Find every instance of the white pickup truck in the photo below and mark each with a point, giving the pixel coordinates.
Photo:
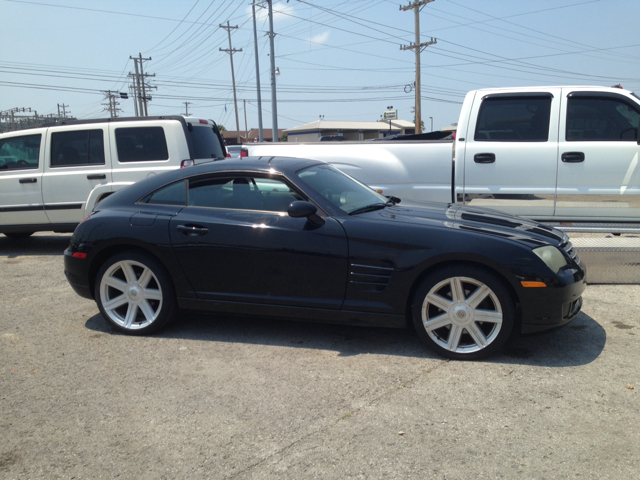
(556, 154)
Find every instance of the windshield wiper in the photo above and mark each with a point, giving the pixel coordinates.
(369, 208)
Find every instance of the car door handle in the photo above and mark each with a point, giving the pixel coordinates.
(193, 230)
(572, 157)
(97, 176)
(484, 157)
(28, 180)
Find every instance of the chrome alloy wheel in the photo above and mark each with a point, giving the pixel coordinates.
(462, 315)
(130, 294)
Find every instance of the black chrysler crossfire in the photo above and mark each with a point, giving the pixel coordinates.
(295, 238)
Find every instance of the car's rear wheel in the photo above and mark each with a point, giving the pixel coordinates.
(463, 312)
(134, 293)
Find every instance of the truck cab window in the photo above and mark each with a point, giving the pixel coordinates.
(594, 119)
(514, 119)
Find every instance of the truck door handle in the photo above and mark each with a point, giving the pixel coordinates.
(484, 157)
(572, 157)
(97, 176)
(193, 230)
(28, 180)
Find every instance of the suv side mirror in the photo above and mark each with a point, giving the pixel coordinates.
(301, 209)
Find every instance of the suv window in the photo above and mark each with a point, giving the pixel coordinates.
(242, 193)
(514, 119)
(141, 144)
(20, 153)
(206, 143)
(591, 119)
(79, 147)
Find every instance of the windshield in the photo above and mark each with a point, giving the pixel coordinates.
(344, 192)
(205, 143)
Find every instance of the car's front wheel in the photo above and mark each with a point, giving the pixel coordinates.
(134, 293)
(463, 312)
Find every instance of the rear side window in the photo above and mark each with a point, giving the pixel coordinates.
(514, 119)
(79, 147)
(592, 119)
(173, 194)
(141, 144)
(205, 142)
(20, 153)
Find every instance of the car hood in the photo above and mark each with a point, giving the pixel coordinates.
(479, 220)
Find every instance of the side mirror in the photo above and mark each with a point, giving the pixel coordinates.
(300, 209)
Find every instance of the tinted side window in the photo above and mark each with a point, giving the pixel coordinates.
(206, 143)
(593, 119)
(173, 194)
(20, 153)
(513, 119)
(79, 147)
(242, 193)
(141, 144)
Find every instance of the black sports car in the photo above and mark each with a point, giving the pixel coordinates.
(298, 238)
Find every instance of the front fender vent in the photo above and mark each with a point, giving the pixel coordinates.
(368, 277)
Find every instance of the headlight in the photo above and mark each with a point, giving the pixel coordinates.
(552, 257)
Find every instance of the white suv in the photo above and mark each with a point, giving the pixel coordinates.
(51, 177)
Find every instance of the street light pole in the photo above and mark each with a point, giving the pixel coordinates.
(431, 118)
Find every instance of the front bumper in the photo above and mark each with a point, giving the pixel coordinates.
(553, 306)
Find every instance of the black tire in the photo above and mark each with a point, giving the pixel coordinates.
(444, 305)
(18, 235)
(134, 292)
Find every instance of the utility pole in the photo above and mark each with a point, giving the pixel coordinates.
(64, 111)
(246, 132)
(134, 91)
(140, 86)
(231, 51)
(272, 56)
(186, 108)
(418, 47)
(255, 43)
(112, 104)
(136, 86)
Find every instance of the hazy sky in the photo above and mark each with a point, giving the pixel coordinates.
(340, 59)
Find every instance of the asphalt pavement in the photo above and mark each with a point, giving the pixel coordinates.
(229, 398)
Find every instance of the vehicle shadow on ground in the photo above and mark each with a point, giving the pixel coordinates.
(578, 343)
(41, 244)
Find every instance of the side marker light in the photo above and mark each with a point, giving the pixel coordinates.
(533, 284)
(79, 255)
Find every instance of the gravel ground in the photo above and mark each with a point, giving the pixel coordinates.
(217, 397)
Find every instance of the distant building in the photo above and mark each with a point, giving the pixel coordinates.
(311, 132)
(231, 136)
